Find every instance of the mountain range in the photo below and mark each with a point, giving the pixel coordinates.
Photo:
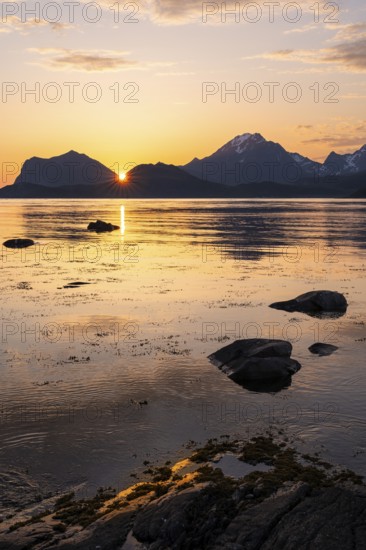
(247, 166)
(249, 158)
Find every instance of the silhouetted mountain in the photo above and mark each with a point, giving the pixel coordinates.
(338, 186)
(165, 181)
(352, 163)
(69, 169)
(309, 167)
(33, 191)
(361, 191)
(250, 158)
(360, 194)
(168, 181)
(145, 180)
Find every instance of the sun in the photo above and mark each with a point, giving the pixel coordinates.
(122, 176)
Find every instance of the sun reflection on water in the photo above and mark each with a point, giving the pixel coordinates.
(123, 226)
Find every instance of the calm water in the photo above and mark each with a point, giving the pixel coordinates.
(99, 378)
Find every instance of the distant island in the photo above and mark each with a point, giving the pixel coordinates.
(248, 166)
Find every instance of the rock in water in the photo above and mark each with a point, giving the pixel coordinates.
(257, 364)
(315, 302)
(102, 227)
(322, 349)
(251, 347)
(18, 243)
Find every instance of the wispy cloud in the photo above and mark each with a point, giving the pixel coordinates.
(15, 24)
(83, 60)
(347, 56)
(339, 141)
(178, 12)
(174, 12)
(63, 59)
(348, 32)
(354, 96)
(344, 136)
(305, 28)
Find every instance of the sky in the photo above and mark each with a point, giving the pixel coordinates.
(166, 80)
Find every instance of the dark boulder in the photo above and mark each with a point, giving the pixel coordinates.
(299, 518)
(251, 347)
(295, 517)
(167, 519)
(322, 349)
(257, 364)
(315, 302)
(102, 227)
(18, 243)
(257, 369)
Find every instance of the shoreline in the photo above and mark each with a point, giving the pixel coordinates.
(186, 497)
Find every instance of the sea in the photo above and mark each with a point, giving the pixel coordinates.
(106, 337)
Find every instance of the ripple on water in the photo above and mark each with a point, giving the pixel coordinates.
(205, 274)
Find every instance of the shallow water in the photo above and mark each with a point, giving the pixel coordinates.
(96, 379)
(231, 466)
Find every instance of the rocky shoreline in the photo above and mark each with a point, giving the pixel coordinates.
(294, 501)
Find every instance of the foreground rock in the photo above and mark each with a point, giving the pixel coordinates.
(299, 502)
(102, 227)
(256, 363)
(315, 302)
(18, 243)
(322, 349)
(297, 518)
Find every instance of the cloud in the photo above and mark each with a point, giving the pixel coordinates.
(58, 26)
(15, 24)
(345, 135)
(61, 59)
(161, 12)
(345, 57)
(338, 141)
(180, 12)
(350, 55)
(84, 60)
(174, 12)
(306, 28)
(349, 32)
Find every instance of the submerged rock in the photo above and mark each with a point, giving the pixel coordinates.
(77, 284)
(322, 349)
(102, 227)
(258, 364)
(315, 302)
(272, 385)
(18, 243)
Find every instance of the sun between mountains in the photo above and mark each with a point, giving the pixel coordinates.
(247, 166)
